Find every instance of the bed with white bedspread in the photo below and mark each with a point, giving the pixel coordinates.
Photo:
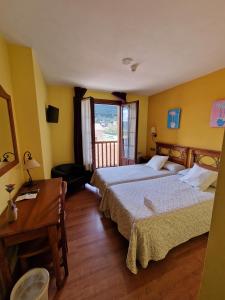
(106, 177)
(152, 234)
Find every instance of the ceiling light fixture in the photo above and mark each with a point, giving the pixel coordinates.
(127, 60)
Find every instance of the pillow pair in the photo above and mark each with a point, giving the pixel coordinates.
(200, 178)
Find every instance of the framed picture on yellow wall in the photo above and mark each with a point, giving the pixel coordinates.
(218, 114)
(173, 120)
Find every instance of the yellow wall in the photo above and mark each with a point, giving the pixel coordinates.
(15, 175)
(213, 287)
(21, 78)
(44, 127)
(30, 92)
(62, 133)
(195, 99)
(25, 104)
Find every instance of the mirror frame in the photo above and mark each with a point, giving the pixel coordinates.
(13, 163)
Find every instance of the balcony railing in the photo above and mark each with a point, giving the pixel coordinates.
(106, 154)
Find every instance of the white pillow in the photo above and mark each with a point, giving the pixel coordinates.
(173, 167)
(184, 172)
(157, 162)
(200, 178)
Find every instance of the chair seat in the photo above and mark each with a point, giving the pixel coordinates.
(33, 248)
(75, 175)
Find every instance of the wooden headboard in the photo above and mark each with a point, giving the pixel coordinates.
(209, 159)
(176, 153)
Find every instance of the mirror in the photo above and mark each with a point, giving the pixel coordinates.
(8, 146)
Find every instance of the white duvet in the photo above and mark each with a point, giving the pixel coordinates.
(152, 235)
(105, 177)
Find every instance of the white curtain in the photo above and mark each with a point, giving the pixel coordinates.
(86, 133)
(132, 130)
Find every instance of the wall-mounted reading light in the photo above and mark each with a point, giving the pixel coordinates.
(153, 132)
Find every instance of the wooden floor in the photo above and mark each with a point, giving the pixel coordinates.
(97, 261)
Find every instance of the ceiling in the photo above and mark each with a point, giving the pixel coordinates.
(82, 42)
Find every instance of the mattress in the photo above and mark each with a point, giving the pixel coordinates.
(152, 235)
(105, 177)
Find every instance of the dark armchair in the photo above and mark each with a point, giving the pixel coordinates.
(74, 174)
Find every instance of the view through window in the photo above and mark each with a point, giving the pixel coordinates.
(106, 122)
(106, 135)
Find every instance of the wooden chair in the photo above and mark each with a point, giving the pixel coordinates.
(63, 240)
(40, 246)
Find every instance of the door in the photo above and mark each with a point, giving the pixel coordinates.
(106, 126)
(129, 131)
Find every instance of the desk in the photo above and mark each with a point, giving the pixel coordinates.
(36, 218)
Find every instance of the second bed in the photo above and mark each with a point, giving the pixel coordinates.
(183, 213)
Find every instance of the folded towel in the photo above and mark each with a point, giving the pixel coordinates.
(159, 203)
(160, 206)
(162, 203)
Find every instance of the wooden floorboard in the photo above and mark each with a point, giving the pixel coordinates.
(97, 261)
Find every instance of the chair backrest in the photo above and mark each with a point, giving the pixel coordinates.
(63, 195)
(62, 214)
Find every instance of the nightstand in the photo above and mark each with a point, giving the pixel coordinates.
(144, 159)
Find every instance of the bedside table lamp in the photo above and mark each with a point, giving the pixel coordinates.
(29, 163)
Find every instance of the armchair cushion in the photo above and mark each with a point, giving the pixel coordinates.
(75, 175)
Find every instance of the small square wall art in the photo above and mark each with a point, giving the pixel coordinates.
(173, 120)
(218, 114)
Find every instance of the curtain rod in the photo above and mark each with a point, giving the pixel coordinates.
(85, 98)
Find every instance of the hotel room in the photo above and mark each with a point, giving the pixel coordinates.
(112, 151)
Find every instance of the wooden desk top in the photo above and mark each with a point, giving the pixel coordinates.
(35, 213)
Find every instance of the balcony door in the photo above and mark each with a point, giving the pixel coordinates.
(115, 133)
(129, 133)
(107, 133)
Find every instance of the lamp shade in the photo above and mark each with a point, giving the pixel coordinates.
(31, 164)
